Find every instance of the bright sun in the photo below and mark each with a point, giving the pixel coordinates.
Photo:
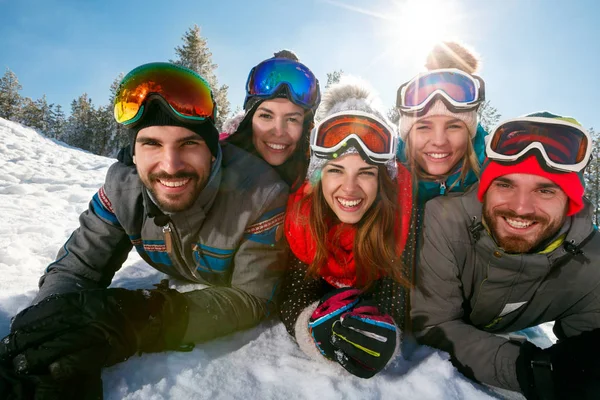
(414, 26)
(410, 28)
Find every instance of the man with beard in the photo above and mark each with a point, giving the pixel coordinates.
(193, 209)
(514, 251)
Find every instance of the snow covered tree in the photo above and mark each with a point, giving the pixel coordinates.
(334, 77)
(81, 124)
(592, 176)
(10, 99)
(37, 114)
(393, 115)
(488, 116)
(195, 55)
(117, 137)
(58, 122)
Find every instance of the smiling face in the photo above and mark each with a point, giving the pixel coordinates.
(438, 143)
(276, 129)
(174, 164)
(523, 210)
(349, 186)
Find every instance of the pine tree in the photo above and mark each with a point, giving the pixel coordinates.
(10, 99)
(488, 116)
(393, 115)
(592, 176)
(195, 55)
(334, 77)
(37, 114)
(117, 137)
(58, 122)
(28, 114)
(81, 124)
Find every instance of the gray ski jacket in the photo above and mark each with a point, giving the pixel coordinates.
(229, 239)
(468, 290)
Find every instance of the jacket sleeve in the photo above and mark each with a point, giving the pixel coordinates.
(259, 264)
(584, 317)
(297, 294)
(91, 255)
(438, 316)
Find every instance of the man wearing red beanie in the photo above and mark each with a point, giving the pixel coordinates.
(517, 250)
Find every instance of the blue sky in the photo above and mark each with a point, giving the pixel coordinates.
(536, 54)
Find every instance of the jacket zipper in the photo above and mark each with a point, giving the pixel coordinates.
(172, 250)
(168, 238)
(442, 188)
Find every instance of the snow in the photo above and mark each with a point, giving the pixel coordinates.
(45, 185)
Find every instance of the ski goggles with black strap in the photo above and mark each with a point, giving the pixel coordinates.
(267, 79)
(185, 93)
(371, 136)
(459, 90)
(563, 145)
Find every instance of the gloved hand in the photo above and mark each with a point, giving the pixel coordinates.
(43, 387)
(329, 310)
(367, 339)
(75, 333)
(570, 369)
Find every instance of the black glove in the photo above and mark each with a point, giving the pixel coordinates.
(329, 310)
(43, 387)
(367, 339)
(78, 333)
(570, 369)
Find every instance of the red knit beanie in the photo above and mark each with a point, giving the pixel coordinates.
(569, 182)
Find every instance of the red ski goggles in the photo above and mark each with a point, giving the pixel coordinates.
(564, 146)
(459, 90)
(268, 77)
(373, 137)
(186, 93)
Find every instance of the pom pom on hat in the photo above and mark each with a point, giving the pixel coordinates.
(446, 55)
(349, 94)
(452, 55)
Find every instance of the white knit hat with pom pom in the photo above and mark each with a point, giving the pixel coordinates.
(349, 94)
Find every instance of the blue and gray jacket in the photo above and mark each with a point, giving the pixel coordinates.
(230, 240)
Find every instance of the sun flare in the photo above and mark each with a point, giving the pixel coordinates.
(410, 28)
(415, 26)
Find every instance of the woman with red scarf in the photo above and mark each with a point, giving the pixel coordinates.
(348, 229)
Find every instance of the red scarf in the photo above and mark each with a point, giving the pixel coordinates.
(340, 268)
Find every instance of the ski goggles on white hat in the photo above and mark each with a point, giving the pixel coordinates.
(459, 90)
(563, 145)
(371, 136)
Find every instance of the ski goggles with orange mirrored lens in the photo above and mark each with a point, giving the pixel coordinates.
(564, 146)
(371, 136)
(185, 92)
(267, 78)
(459, 90)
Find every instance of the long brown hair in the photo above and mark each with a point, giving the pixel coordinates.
(468, 163)
(377, 252)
